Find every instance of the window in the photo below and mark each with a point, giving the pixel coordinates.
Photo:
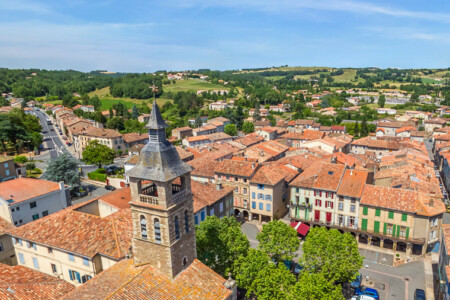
(235, 179)
(12, 210)
(260, 186)
(253, 195)
(35, 217)
(54, 270)
(6, 165)
(268, 197)
(352, 208)
(35, 263)
(245, 180)
(260, 196)
(33, 204)
(177, 228)
(391, 215)
(377, 212)
(402, 231)
(245, 190)
(389, 229)
(341, 206)
(196, 219)
(45, 213)
(236, 190)
(364, 224)
(85, 278)
(74, 275)
(329, 204)
(71, 257)
(221, 207)
(143, 227)
(253, 204)
(376, 226)
(7, 172)
(21, 259)
(20, 242)
(202, 215)
(365, 210)
(85, 261)
(17, 208)
(268, 207)
(184, 262)
(1, 247)
(50, 250)
(404, 217)
(186, 221)
(432, 234)
(261, 206)
(211, 212)
(318, 202)
(157, 228)
(434, 222)
(297, 190)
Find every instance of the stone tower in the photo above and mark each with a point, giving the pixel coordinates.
(161, 205)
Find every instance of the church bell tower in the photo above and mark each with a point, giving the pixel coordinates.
(161, 203)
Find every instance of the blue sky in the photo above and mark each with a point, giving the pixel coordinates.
(147, 35)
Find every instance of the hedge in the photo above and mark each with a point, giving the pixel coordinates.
(96, 175)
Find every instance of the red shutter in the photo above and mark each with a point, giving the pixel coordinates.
(320, 193)
(332, 195)
(328, 217)
(320, 203)
(314, 192)
(317, 214)
(317, 201)
(331, 205)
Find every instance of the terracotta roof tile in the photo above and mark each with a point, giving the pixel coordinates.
(352, 183)
(205, 194)
(18, 282)
(239, 168)
(126, 281)
(21, 189)
(135, 137)
(323, 176)
(250, 139)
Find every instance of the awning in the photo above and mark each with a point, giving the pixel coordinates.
(300, 227)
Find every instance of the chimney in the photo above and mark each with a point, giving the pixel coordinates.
(230, 284)
(218, 186)
(431, 204)
(253, 166)
(351, 172)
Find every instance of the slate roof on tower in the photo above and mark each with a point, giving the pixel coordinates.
(159, 159)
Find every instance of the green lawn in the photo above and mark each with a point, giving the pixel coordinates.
(108, 101)
(348, 76)
(193, 85)
(54, 102)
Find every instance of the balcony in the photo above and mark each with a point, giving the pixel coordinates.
(148, 199)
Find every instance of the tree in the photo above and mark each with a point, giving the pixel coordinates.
(99, 117)
(331, 253)
(116, 123)
(198, 121)
(372, 99)
(312, 286)
(256, 114)
(381, 101)
(356, 130)
(220, 243)
(261, 277)
(64, 168)
(414, 98)
(364, 131)
(98, 154)
(278, 240)
(231, 129)
(111, 112)
(30, 166)
(21, 159)
(248, 127)
(134, 112)
(36, 139)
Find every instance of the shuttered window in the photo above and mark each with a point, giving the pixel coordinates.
(365, 211)
(391, 215)
(364, 224)
(377, 212)
(376, 226)
(404, 217)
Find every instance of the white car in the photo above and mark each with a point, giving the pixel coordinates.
(362, 297)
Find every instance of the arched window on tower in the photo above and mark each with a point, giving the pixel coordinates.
(186, 221)
(177, 228)
(157, 227)
(143, 228)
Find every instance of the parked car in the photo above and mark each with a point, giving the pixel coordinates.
(368, 292)
(109, 188)
(362, 297)
(419, 294)
(357, 282)
(51, 129)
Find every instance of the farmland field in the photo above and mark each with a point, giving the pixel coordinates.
(193, 85)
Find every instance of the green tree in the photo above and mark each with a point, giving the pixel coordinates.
(263, 278)
(231, 129)
(314, 286)
(248, 127)
(116, 123)
(111, 113)
(278, 240)
(134, 112)
(256, 115)
(64, 168)
(356, 132)
(414, 98)
(99, 117)
(21, 159)
(220, 242)
(198, 121)
(331, 253)
(98, 154)
(36, 139)
(30, 166)
(372, 99)
(364, 131)
(381, 101)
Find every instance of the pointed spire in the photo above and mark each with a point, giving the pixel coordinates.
(155, 121)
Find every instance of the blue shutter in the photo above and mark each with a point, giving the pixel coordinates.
(70, 274)
(78, 277)
(35, 263)
(253, 204)
(261, 206)
(21, 259)
(253, 195)
(268, 208)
